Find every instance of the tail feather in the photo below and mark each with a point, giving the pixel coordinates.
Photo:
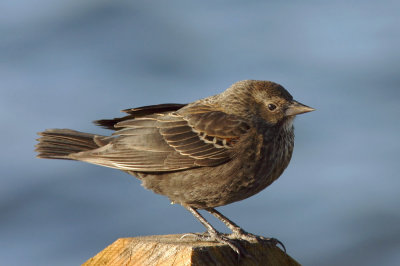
(60, 143)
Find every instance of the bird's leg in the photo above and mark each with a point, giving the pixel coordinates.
(214, 235)
(239, 233)
(236, 229)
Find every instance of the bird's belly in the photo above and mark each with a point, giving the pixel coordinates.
(204, 187)
(238, 179)
(211, 186)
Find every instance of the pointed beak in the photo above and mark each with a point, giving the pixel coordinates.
(296, 108)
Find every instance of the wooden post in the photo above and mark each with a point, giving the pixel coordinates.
(178, 250)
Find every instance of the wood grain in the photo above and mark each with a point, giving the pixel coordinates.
(175, 250)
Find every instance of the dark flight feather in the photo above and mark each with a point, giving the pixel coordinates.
(169, 141)
(139, 112)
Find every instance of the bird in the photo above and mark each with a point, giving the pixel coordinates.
(202, 155)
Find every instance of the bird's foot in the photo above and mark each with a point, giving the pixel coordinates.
(243, 235)
(198, 236)
(224, 239)
(220, 238)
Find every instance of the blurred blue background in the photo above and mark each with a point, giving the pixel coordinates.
(64, 64)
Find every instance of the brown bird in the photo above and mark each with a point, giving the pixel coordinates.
(202, 155)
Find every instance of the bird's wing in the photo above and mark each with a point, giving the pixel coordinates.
(191, 137)
(139, 112)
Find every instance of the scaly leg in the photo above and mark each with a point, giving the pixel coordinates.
(239, 233)
(214, 235)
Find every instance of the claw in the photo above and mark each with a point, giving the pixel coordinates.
(198, 236)
(223, 239)
(278, 242)
(243, 235)
(239, 233)
(220, 238)
(234, 245)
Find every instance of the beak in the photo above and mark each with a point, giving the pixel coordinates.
(296, 108)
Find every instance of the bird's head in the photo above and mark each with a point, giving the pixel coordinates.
(267, 100)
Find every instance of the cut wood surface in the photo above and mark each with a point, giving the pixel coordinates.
(178, 250)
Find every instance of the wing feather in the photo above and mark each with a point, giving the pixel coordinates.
(193, 136)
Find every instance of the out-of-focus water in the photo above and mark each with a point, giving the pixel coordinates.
(66, 63)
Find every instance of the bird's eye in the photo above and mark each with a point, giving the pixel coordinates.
(271, 107)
